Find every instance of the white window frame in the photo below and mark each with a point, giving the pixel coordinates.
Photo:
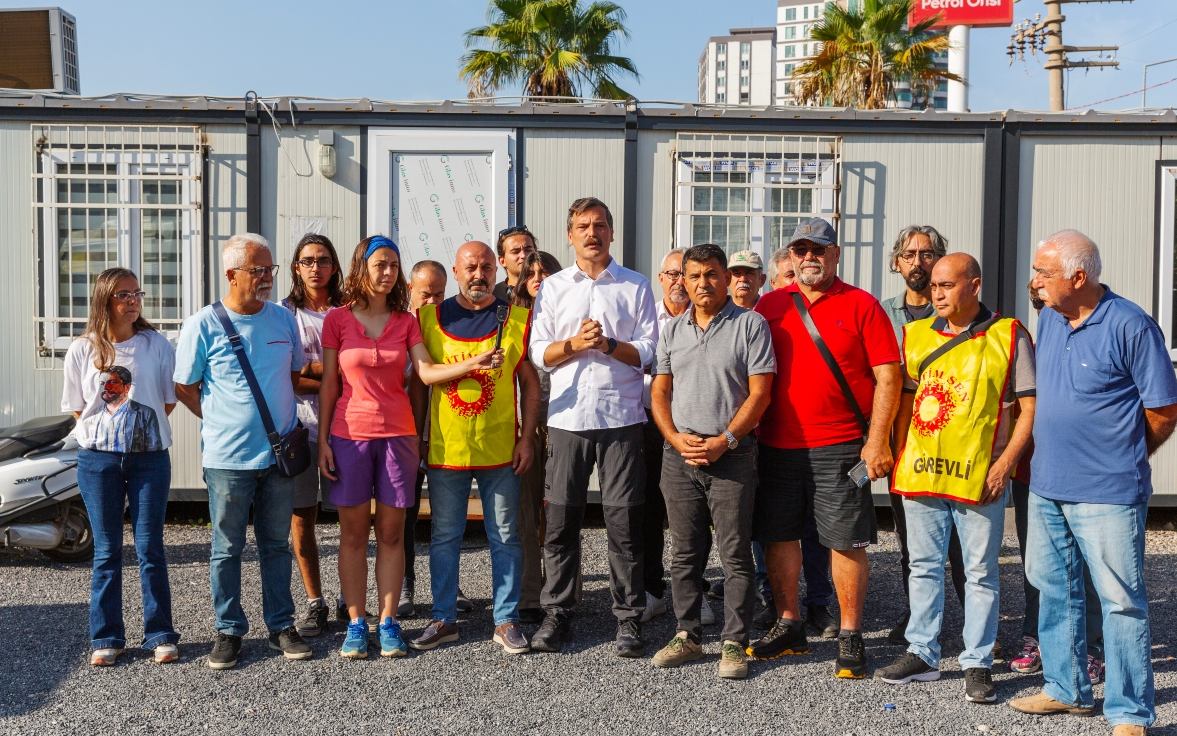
(136, 151)
(1167, 250)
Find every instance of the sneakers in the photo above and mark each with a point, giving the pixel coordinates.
(464, 603)
(166, 653)
(630, 643)
(678, 651)
(1044, 705)
(978, 685)
(1029, 660)
(105, 657)
(392, 644)
(1094, 669)
(434, 635)
(226, 649)
(291, 644)
(553, 633)
(765, 617)
(898, 633)
(908, 668)
(355, 644)
(511, 638)
(706, 615)
(406, 608)
(732, 664)
(314, 621)
(531, 615)
(785, 637)
(341, 614)
(851, 662)
(654, 607)
(820, 622)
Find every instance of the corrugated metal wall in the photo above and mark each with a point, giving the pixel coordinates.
(892, 181)
(560, 166)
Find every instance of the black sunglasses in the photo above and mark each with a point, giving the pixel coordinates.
(516, 230)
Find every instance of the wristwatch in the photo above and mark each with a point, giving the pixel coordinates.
(732, 442)
(612, 345)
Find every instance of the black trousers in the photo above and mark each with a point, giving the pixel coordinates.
(619, 457)
(955, 556)
(654, 516)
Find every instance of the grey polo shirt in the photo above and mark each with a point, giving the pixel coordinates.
(711, 368)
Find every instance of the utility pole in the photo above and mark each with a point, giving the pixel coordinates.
(1046, 35)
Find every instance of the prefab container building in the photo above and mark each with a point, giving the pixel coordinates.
(158, 184)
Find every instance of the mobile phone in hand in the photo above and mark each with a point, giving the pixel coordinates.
(859, 474)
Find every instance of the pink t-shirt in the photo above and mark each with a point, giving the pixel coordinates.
(374, 403)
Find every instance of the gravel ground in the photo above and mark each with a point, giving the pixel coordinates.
(46, 686)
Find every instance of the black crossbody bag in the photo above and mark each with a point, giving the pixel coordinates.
(968, 334)
(292, 450)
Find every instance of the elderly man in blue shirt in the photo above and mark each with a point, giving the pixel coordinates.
(1107, 399)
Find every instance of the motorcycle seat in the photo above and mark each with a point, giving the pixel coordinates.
(35, 433)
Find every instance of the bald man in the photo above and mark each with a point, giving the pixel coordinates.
(957, 447)
(472, 436)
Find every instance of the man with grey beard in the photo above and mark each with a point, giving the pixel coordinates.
(240, 469)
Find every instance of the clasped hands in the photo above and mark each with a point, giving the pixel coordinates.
(696, 450)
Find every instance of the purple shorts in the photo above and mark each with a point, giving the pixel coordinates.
(384, 469)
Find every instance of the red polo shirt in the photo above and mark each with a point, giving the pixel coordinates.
(808, 409)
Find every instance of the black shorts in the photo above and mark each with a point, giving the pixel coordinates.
(797, 483)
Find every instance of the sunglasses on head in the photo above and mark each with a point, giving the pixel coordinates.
(516, 230)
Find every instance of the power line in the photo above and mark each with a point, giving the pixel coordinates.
(1127, 94)
(1149, 33)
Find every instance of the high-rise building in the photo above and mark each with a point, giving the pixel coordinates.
(740, 68)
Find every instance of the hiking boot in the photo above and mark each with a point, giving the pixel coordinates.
(1029, 660)
(226, 649)
(654, 607)
(553, 633)
(405, 607)
(851, 662)
(679, 650)
(898, 633)
(820, 623)
(1044, 705)
(908, 668)
(732, 663)
(511, 638)
(434, 635)
(978, 685)
(785, 637)
(290, 643)
(314, 621)
(1095, 669)
(630, 643)
(465, 605)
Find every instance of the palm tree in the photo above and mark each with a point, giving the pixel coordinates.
(554, 48)
(866, 51)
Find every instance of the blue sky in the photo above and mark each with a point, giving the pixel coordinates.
(404, 50)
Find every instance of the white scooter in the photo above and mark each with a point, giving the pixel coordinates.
(40, 504)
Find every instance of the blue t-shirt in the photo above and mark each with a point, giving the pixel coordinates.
(231, 434)
(1094, 383)
(468, 324)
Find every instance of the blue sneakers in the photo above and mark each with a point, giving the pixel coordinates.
(355, 645)
(391, 642)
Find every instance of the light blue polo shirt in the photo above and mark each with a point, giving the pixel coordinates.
(1094, 383)
(231, 434)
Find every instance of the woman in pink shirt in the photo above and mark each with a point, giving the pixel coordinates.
(372, 449)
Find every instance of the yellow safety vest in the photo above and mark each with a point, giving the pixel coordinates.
(957, 408)
(472, 419)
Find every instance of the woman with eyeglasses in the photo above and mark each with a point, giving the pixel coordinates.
(314, 290)
(372, 453)
(118, 384)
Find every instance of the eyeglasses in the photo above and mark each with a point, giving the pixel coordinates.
(516, 230)
(673, 275)
(320, 262)
(259, 271)
(126, 296)
(819, 251)
(925, 256)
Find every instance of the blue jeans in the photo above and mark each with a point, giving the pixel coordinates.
(449, 491)
(108, 481)
(929, 527)
(1108, 539)
(230, 494)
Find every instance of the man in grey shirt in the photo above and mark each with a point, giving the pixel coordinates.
(712, 381)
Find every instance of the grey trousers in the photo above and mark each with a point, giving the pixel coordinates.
(721, 495)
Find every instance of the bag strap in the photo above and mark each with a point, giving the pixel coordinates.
(828, 357)
(238, 346)
(968, 334)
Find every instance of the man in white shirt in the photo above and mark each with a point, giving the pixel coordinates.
(594, 328)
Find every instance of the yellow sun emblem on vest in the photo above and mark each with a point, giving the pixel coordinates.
(935, 403)
(471, 394)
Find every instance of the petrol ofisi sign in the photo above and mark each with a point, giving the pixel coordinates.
(977, 13)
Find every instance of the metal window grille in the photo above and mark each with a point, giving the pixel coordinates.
(69, 56)
(107, 196)
(748, 192)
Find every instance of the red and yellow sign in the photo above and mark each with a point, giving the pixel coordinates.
(976, 13)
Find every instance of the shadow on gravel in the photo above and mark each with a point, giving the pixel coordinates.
(23, 688)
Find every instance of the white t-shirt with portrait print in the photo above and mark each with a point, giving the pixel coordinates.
(138, 423)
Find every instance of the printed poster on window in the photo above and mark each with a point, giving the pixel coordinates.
(440, 200)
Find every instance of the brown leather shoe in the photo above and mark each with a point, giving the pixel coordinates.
(1044, 705)
(434, 635)
(1127, 729)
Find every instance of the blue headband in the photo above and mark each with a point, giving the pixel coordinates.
(378, 242)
